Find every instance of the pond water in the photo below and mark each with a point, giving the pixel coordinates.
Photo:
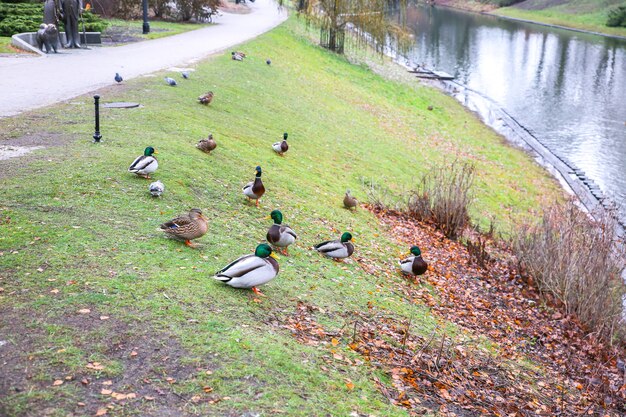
(567, 88)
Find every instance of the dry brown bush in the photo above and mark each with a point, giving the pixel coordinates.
(178, 10)
(443, 197)
(579, 261)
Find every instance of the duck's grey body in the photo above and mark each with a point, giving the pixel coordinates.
(248, 271)
(281, 235)
(144, 165)
(414, 265)
(335, 249)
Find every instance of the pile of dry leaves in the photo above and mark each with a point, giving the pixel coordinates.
(544, 363)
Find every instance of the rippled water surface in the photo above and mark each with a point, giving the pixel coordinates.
(567, 88)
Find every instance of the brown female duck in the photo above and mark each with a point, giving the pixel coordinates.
(187, 227)
(207, 145)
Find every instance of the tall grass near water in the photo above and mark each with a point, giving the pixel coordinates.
(578, 260)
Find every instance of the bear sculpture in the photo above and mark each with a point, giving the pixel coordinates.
(48, 36)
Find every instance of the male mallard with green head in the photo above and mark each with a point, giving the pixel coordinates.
(145, 164)
(255, 190)
(414, 265)
(282, 146)
(250, 271)
(337, 249)
(187, 227)
(280, 235)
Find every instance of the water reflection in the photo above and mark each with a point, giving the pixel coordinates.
(567, 88)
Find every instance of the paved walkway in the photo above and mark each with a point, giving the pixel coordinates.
(29, 83)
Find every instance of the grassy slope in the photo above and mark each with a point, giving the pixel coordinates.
(579, 14)
(82, 225)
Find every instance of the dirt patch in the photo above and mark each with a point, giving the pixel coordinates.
(153, 366)
(42, 139)
(7, 152)
(15, 152)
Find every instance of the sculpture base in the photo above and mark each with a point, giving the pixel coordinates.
(28, 41)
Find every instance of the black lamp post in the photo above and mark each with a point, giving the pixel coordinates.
(146, 25)
(97, 136)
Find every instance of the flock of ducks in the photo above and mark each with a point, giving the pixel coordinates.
(253, 270)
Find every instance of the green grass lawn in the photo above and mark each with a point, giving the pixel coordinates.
(5, 45)
(588, 15)
(5, 41)
(77, 231)
(158, 28)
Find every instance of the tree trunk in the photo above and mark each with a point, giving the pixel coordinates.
(332, 40)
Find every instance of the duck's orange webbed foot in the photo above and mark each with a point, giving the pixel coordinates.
(258, 292)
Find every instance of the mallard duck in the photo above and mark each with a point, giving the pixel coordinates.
(414, 265)
(185, 74)
(278, 234)
(172, 82)
(207, 145)
(188, 226)
(145, 164)
(255, 190)
(156, 188)
(282, 146)
(337, 249)
(350, 202)
(237, 56)
(206, 98)
(250, 271)
(118, 78)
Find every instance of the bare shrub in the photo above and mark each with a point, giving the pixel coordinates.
(195, 9)
(380, 197)
(126, 9)
(183, 10)
(161, 8)
(579, 261)
(419, 204)
(377, 197)
(443, 197)
(477, 245)
(104, 8)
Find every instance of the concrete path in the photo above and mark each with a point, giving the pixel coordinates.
(29, 83)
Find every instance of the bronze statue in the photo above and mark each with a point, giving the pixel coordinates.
(71, 11)
(51, 15)
(51, 12)
(47, 36)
